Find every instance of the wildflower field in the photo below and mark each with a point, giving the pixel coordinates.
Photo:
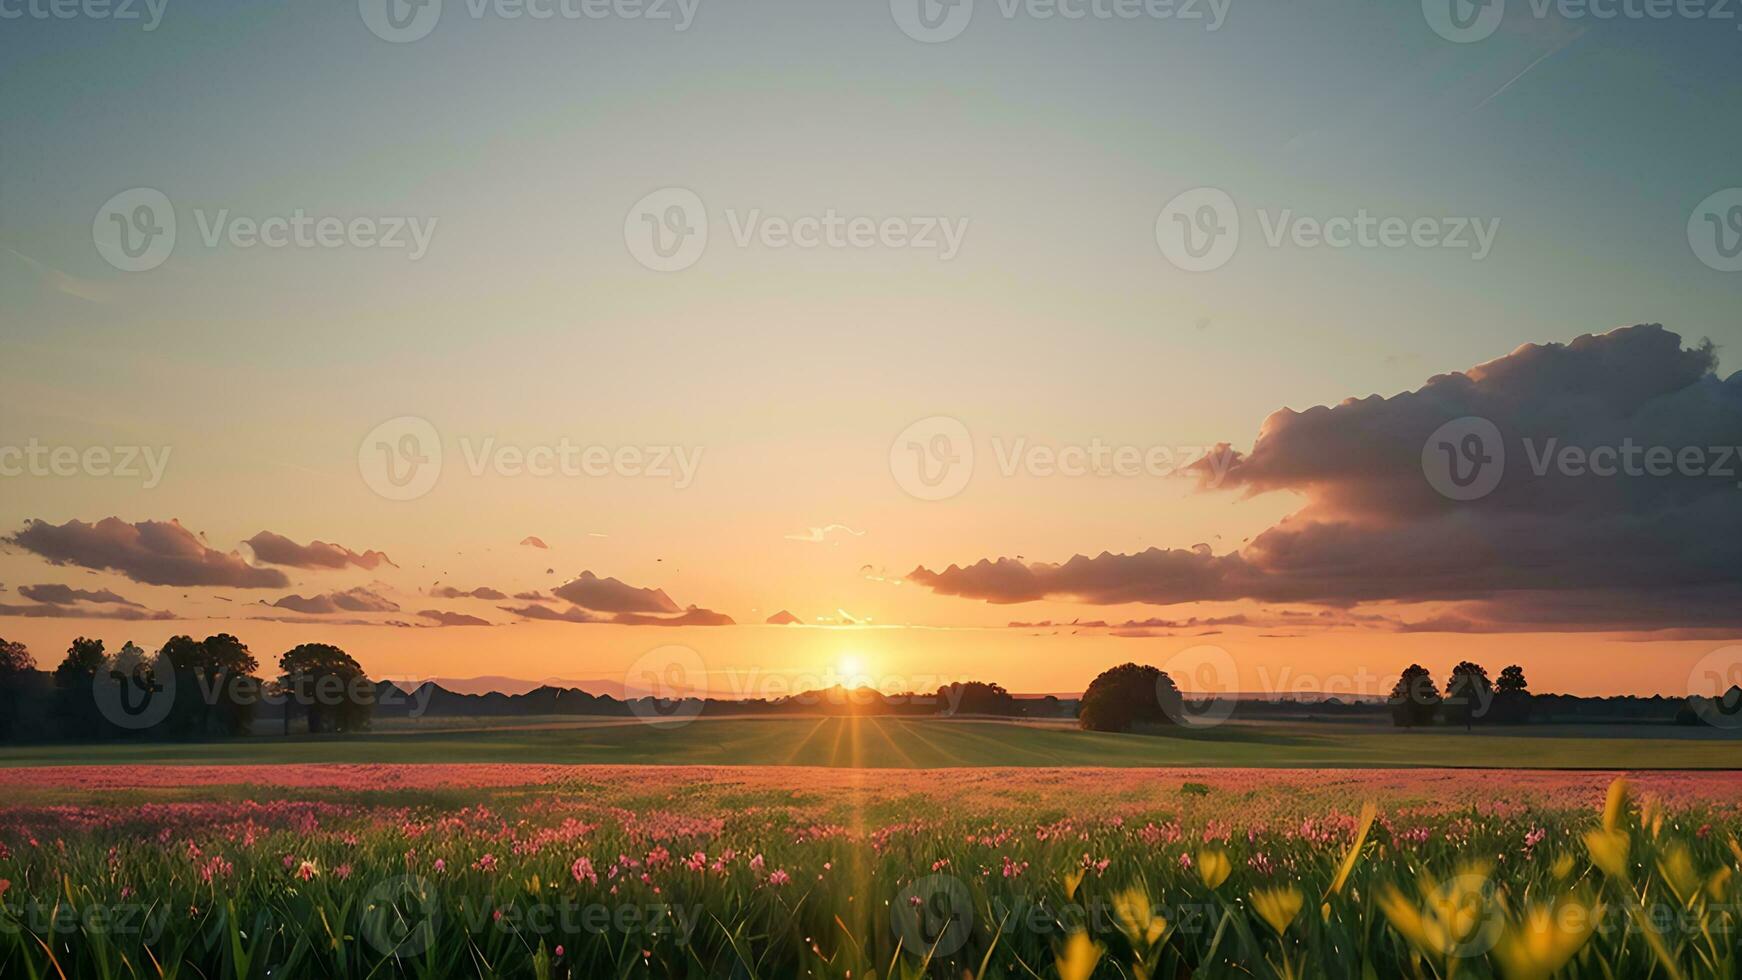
(557, 871)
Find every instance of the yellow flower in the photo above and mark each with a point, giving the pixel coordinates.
(1136, 915)
(1718, 884)
(1278, 906)
(1677, 868)
(1214, 867)
(1609, 851)
(1453, 913)
(1547, 937)
(1072, 880)
(1364, 824)
(1615, 807)
(1563, 866)
(1651, 816)
(1079, 958)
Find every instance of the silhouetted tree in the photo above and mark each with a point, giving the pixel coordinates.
(74, 681)
(216, 691)
(332, 687)
(975, 698)
(17, 667)
(1128, 695)
(1511, 679)
(1415, 699)
(1468, 693)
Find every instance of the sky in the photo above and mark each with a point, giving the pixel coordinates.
(930, 232)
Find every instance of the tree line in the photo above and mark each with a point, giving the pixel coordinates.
(188, 689)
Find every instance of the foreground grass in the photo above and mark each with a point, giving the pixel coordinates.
(745, 873)
(904, 743)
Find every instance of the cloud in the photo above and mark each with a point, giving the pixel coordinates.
(532, 596)
(150, 552)
(351, 600)
(483, 592)
(612, 596)
(817, 535)
(533, 541)
(573, 614)
(276, 549)
(442, 618)
(128, 613)
(693, 616)
(1550, 546)
(62, 595)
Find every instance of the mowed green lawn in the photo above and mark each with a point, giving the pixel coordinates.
(905, 743)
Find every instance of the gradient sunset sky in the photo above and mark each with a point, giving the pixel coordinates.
(794, 372)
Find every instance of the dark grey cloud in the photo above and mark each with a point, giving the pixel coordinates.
(608, 595)
(150, 552)
(65, 595)
(351, 600)
(276, 549)
(1547, 547)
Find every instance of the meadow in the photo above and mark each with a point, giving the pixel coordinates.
(537, 870)
(886, 742)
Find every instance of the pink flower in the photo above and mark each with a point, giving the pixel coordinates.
(342, 872)
(779, 878)
(487, 863)
(307, 871)
(559, 952)
(583, 871)
(756, 863)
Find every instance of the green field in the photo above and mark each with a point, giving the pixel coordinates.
(909, 743)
